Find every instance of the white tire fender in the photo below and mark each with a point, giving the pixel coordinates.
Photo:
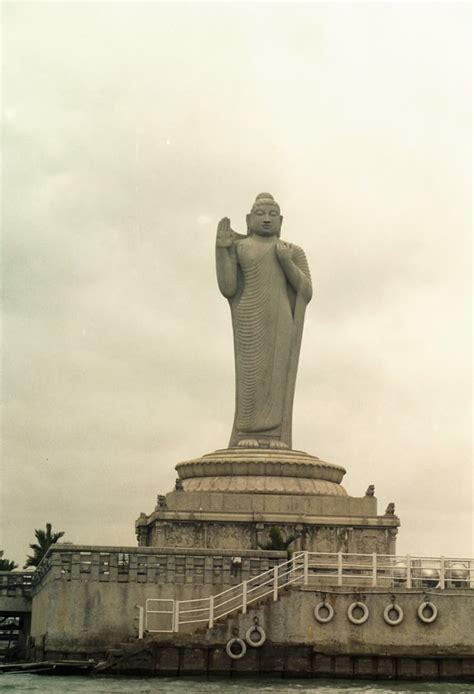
(393, 607)
(427, 604)
(350, 612)
(235, 642)
(255, 642)
(323, 606)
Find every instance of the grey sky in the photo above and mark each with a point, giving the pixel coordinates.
(129, 130)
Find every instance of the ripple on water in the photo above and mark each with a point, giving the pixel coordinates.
(24, 684)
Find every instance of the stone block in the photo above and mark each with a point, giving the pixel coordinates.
(451, 667)
(385, 668)
(365, 667)
(428, 668)
(168, 661)
(272, 658)
(250, 663)
(468, 667)
(323, 664)
(193, 661)
(298, 661)
(219, 661)
(407, 668)
(343, 666)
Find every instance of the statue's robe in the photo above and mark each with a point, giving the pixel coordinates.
(267, 317)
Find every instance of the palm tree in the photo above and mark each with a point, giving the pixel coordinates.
(6, 564)
(45, 540)
(277, 541)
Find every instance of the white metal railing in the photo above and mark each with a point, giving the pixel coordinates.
(237, 598)
(316, 569)
(389, 571)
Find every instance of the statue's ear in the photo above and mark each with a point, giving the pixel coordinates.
(281, 222)
(248, 223)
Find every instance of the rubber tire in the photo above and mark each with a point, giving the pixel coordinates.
(261, 640)
(229, 652)
(386, 615)
(329, 608)
(421, 610)
(362, 619)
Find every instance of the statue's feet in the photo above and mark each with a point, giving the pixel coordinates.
(278, 445)
(248, 443)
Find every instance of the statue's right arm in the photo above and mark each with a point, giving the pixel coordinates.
(226, 259)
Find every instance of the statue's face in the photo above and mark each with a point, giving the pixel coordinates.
(265, 220)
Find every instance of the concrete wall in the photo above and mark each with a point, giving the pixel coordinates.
(291, 620)
(85, 604)
(87, 598)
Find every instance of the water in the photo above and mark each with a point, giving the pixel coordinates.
(35, 684)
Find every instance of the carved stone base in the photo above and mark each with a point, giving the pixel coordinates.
(231, 498)
(261, 471)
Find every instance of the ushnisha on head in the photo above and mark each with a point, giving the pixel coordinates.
(264, 218)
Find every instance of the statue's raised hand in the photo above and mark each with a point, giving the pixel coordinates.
(284, 251)
(225, 235)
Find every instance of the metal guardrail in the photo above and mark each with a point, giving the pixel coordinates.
(316, 569)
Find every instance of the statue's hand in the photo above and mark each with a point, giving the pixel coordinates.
(225, 235)
(284, 251)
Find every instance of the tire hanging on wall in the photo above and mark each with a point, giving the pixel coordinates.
(323, 606)
(421, 612)
(255, 643)
(240, 644)
(388, 619)
(350, 612)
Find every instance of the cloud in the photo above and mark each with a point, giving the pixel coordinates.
(120, 158)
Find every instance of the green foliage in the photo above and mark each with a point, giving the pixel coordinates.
(6, 564)
(277, 542)
(45, 540)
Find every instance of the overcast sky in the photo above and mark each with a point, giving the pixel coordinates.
(129, 130)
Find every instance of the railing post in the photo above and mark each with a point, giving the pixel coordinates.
(275, 584)
(141, 612)
(211, 612)
(339, 568)
(176, 616)
(442, 574)
(244, 597)
(374, 570)
(408, 571)
(305, 568)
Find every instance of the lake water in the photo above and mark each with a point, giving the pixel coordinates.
(34, 684)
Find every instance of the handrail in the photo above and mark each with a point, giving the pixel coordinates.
(338, 569)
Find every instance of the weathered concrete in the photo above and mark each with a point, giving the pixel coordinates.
(87, 596)
(303, 661)
(15, 592)
(86, 604)
(291, 620)
(228, 520)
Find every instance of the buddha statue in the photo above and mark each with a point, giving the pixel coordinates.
(268, 285)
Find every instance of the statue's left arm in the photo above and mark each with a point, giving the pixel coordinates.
(295, 266)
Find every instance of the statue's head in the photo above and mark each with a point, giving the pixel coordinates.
(264, 218)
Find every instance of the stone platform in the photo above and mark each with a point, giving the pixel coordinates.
(231, 498)
(261, 471)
